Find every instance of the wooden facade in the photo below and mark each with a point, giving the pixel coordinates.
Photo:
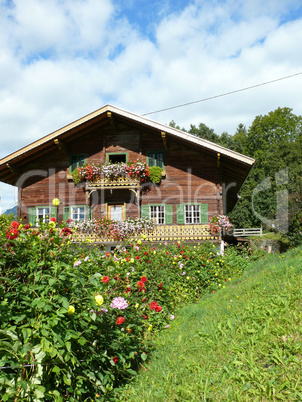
(196, 172)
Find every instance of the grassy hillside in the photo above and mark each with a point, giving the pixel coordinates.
(242, 343)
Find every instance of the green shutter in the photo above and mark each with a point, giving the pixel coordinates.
(53, 212)
(180, 210)
(32, 216)
(204, 213)
(145, 211)
(168, 214)
(66, 213)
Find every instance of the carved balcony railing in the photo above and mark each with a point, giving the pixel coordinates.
(118, 182)
(160, 233)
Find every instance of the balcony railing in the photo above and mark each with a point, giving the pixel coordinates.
(159, 233)
(119, 182)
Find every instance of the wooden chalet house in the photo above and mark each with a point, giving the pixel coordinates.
(199, 179)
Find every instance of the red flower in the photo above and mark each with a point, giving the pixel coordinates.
(15, 225)
(53, 219)
(66, 232)
(145, 317)
(148, 262)
(160, 286)
(105, 279)
(144, 299)
(140, 284)
(144, 279)
(120, 320)
(145, 253)
(12, 234)
(128, 290)
(158, 308)
(153, 305)
(137, 257)
(115, 359)
(27, 226)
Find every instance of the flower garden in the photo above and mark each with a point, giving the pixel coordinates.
(77, 323)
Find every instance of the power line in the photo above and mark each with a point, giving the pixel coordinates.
(224, 94)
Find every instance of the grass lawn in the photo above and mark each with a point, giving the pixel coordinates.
(241, 343)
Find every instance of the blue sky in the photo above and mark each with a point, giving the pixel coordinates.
(62, 59)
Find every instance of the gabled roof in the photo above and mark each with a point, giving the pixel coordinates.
(240, 165)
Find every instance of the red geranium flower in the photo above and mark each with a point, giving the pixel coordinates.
(153, 305)
(158, 308)
(115, 359)
(12, 234)
(137, 257)
(160, 286)
(144, 279)
(27, 226)
(53, 219)
(15, 225)
(145, 253)
(140, 284)
(128, 290)
(105, 279)
(120, 320)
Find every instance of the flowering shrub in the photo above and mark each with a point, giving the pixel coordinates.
(219, 223)
(117, 230)
(76, 323)
(111, 171)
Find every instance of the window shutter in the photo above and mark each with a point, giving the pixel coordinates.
(53, 212)
(66, 213)
(168, 214)
(180, 214)
(32, 216)
(204, 213)
(145, 211)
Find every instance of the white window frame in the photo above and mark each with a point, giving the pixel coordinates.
(75, 213)
(44, 216)
(157, 214)
(192, 214)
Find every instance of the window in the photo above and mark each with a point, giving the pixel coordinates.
(155, 159)
(75, 212)
(41, 214)
(117, 157)
(157, 214)
(161, 214)
(192, 213)
(78, 213)
(77, 160)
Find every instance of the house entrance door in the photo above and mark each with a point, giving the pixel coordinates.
(116, 212)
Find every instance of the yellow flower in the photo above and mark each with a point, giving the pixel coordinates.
(144, 237)
(71, 310)
(188, 277)
(150, 327)
(132, 260)
(56, 202)
(99, 300)
(137, 305)
(139, 242)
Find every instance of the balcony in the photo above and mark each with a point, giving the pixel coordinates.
(119, 183)
(196, 233)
